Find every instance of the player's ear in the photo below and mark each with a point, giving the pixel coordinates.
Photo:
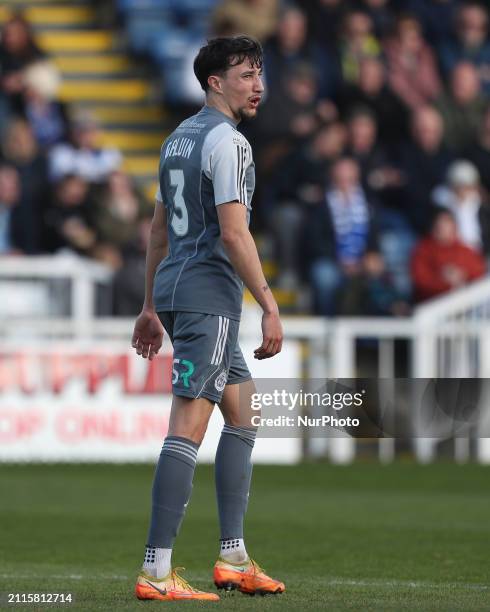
(214, 83)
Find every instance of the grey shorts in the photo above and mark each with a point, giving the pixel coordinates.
(207, 356)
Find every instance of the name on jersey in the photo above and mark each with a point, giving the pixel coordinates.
(180, 147)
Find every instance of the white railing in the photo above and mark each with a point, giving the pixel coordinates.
(448, 337)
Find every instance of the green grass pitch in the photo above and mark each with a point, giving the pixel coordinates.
(364, 537)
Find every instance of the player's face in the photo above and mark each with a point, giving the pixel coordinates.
(242, 89)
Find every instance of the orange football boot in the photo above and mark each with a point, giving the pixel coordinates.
(170, 588)
(247, 577)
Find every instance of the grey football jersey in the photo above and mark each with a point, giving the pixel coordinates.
(205, 162)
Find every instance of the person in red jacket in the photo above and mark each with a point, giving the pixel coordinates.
(441, 262)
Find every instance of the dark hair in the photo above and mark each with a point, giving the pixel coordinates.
(222, 53)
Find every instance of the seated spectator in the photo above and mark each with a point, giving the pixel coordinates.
(258, 18)
(462, 196)
(290, 46)
(424, 162)
(371, 91)
(47, 118)
(381, 14)
(379, 294)
(129, 280)
(83, 156)
(18, 50)
(117, 209)
(10, 240)
(479, 153)
(436, 16)
(324, 18)
(338, 234)
(470, 43)
(20, 150)
(462, 107)
(412, 66)
(68, 218)
(442, 262)
(381, 179)
(298, 184)
(357, 41)
(289, 116)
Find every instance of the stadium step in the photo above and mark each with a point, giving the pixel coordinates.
(113, 90)
(73, 41)
(95, 64)
(141, 166)
(144, 116)
(128, 140)
(53, 15)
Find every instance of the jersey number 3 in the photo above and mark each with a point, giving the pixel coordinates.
(179, 222)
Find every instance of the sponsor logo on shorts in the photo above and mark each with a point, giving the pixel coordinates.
(184, 375)
(220, 381)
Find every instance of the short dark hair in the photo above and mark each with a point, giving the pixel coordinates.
(220, 54)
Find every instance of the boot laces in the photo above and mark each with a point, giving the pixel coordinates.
(181, 582)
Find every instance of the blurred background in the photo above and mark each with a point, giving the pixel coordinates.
(371, 213)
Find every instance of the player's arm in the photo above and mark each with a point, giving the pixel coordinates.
(240, 247)
(148, 330)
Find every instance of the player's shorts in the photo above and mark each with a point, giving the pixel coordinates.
(207, 356)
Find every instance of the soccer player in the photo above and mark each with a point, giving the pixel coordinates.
(199, 256)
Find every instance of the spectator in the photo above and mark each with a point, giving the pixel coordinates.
(290, 46)
(21, 151)
(424, 162)
(117, 209)
(67, 220)
(479, 153)
(18, 50)
(441, 262)
(298, 184)
(470, 43)
(9, 200)
(357, 41)
(412, 66)
(258, 18)
(47, 118)
(381, 14)
(324, 18)
(338, 234)
(436, 16)
(462, 108)
(371, 91)
(290, 115)
(381, 180)
(129, 280)
(462, 196)
(83, 156)
(379, 295)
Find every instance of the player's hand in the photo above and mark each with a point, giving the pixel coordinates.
(148, 334)
(272, 336)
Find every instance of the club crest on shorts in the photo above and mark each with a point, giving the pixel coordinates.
(220, 381)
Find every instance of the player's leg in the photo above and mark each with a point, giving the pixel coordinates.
(233, 467)
(233, 470)
(174, 473)
(172, 484)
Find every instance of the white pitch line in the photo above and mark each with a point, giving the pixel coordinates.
(328, 581)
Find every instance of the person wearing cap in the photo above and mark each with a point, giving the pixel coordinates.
(462, 196)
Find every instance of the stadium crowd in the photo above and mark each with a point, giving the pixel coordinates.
(372, 152)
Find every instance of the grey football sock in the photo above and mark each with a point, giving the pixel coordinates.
(172, 487)
(233, 472)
